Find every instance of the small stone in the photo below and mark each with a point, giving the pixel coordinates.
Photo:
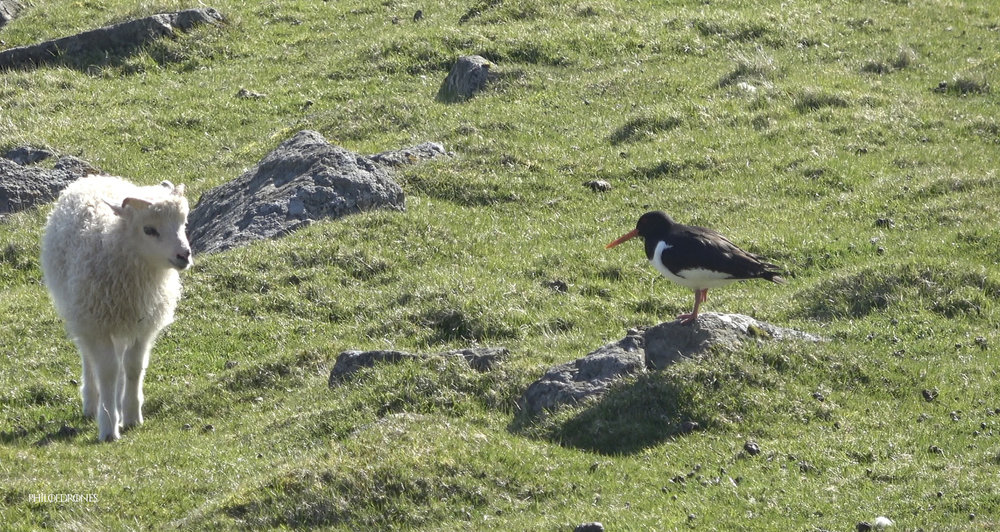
(885, 222)
(558, 285)
(819, 396)
(187, 426)
(208, 428)
(419, 14)
(230, 364)
(689, 426)
(751, 448)
(598, 185)
(74, 382)
(955, 416)
(247, 94)
(934, 449)
(930, 395)
(595, 526)
(863, 526)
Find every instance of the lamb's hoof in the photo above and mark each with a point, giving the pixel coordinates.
(108, 438)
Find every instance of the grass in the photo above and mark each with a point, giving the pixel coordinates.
(840, 158)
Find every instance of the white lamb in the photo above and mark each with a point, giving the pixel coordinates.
(110, 258)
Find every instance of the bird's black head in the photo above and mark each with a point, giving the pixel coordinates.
(650, 225)
(653, 223)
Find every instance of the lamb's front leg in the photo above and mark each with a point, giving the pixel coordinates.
(135, 362)
(105, 365)
(88, 387)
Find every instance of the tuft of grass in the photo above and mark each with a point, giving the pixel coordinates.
(905, 57)
(969, 83)
(757, 67)
(814, 100)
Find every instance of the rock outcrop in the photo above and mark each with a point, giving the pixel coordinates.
(120, 38)
(671, 342)
(24, 185)
(586, 377)
(302, 180)
(641, 350)
(8, 10)
(468, 75)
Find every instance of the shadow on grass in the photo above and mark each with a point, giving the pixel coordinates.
(632, 416)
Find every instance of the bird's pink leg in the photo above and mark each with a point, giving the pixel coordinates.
(699, 297)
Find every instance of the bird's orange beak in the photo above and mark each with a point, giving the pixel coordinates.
(627, 236)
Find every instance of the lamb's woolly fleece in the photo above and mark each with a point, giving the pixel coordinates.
(98, 282)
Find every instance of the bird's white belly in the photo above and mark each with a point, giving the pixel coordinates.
(693, 278)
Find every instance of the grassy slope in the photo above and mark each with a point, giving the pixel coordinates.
(642, 95)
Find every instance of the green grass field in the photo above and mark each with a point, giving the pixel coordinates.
(820, 136)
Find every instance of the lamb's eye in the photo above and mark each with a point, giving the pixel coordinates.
(151, 231)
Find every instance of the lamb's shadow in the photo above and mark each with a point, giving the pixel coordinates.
(67, 431)
(110, 45)
(633, 415)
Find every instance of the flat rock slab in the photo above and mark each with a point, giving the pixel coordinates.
(24, 185)
(641, 350)
(481, 359)
(671, 342)
(119, 38)
(303, 180)
(583, 378)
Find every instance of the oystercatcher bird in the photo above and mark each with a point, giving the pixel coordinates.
(696, 257)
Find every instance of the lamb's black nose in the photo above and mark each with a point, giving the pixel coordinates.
(184, 258)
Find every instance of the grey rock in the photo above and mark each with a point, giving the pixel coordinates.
(124, 37)
(302, 180)
(23, 186)
(247, 94)
(350, 362)
(653, 348)
(671, 342)
(587, 377)
(24, 155)
(468, 75)
(8, 11)
(481, 359)
(414, 154)
(598, 185)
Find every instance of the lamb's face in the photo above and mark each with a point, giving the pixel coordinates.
(161, 231)
(158, 229)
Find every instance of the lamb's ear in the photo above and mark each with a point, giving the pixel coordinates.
(118, 210)
(167, 184)
(178, 190)
(135, 203)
